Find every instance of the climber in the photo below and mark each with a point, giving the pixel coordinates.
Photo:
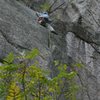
(43, 19)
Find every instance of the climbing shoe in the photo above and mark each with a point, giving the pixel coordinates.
(54, 32)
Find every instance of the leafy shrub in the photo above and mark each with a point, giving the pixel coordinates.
(45, 6)
(22, 81)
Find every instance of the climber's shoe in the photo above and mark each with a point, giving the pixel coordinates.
(54, 32)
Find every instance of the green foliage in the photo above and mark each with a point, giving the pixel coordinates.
(22, 81)
(9, 58)
(45, 6)
(14, 92)
(79, 65)
(32, 54)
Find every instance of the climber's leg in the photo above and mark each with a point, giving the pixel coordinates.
(49, 40)
(51, 28)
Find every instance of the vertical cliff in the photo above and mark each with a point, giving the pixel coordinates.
(80, 20)
(78, 39)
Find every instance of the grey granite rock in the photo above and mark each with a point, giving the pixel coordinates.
(78, 39)
(20, 32)
(78, 22)
(80, 19)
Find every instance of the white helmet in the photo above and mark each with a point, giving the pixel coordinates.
(45, 13)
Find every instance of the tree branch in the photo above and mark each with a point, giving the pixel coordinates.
(51, 6)
(57, 8)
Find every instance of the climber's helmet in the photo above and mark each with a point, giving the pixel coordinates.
(45, 13)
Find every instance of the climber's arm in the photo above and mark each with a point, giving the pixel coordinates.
(38, 14)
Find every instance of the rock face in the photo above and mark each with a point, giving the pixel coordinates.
(80, 21)
(19, 30)
(78, 39)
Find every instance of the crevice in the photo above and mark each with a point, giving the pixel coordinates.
(95, 48)
(11, 43)
(84, 86)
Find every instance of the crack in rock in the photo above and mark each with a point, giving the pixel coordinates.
(11, 42)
